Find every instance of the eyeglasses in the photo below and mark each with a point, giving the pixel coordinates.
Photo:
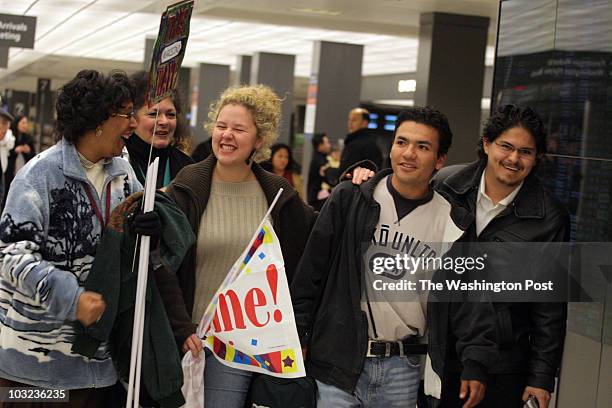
(128, 115)
(523, 152)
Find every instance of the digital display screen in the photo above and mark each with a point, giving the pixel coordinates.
(373, 124)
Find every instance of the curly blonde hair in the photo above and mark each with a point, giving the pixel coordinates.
(263, 104)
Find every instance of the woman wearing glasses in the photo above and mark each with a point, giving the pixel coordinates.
(55, 212)
(170, 139)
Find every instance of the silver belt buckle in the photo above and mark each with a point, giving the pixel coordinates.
(368, 354)
(387, 349)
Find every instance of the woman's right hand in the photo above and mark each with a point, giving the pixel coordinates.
(193, 344)
(90, 308)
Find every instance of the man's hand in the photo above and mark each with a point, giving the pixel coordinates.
(90, 307)
(541, 395)
(473, 390)
(361, 174)
(193, 344)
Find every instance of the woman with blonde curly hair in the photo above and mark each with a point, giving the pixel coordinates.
(225, 197)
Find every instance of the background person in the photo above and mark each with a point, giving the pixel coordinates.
(360, 144)
(54, 216)
(282, 164)
(170, 135)
(7, 142)
(321, 148)
(23, 150)
(224, 198)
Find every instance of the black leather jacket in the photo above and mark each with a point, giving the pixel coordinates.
(531, 335)
(326, 296)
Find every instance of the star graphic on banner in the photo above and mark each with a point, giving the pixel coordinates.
(288, 362)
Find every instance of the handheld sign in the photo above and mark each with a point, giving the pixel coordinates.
(169, 51)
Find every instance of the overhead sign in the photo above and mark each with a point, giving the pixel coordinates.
(17, 31)
(169, 51)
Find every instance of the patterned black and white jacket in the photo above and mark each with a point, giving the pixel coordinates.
(49, 232)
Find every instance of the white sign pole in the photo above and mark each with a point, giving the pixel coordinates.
(141, 289)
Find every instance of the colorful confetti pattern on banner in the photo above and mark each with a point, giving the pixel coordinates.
(278, 362)
(263, 237)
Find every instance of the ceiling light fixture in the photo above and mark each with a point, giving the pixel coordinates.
(406, 85)
(322, 12)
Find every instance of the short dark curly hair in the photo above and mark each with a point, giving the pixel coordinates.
(430, 117)
(509, 116)
(89, 99)
(182, 134)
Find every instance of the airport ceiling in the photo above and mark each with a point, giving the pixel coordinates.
(106, 34)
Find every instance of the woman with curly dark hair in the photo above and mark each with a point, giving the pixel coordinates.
(170, 139)
(55, 212)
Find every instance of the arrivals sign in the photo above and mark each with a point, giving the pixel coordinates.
(17, 31)
(169, 51)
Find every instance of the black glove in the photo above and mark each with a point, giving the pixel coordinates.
(148, 224)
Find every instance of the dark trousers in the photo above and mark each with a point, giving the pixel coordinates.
(503, 391)
(81, 398)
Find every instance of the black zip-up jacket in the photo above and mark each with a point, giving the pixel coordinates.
(326, 295)
(531, 335)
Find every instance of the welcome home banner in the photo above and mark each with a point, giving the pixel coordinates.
(252, 326)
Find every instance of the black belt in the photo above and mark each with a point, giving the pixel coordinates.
(395, 348)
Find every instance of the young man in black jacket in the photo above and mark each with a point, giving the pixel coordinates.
(367, 351)
(510, 204)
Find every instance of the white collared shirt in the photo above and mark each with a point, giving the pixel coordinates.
(485, 209)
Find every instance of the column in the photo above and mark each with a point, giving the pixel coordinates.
(243, 70)
(450, 73)
(44, 114)
(276, 71)
(4, 54)
(334, 89)
(212, 80)
(148, 52)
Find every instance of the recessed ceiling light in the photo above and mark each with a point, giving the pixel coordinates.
(309, 10)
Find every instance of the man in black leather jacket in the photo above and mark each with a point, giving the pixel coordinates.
(510, 204)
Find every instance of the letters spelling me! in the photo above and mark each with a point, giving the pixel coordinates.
(254, 298)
